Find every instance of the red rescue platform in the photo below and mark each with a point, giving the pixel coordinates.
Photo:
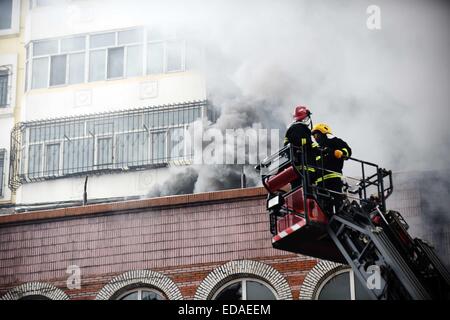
(307, 236)
(296, 229)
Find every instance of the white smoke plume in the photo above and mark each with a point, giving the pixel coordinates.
(383, 91)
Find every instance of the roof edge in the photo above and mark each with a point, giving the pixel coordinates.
(168, 201)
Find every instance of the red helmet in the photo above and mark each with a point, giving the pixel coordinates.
(301, 113)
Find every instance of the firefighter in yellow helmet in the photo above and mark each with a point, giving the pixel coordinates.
(331, 160)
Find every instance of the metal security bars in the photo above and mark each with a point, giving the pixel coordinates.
(116, 141)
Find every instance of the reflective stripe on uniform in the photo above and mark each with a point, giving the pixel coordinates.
(329, 176)
(307, 168)
(345, 151)
(318, 158)
(303, 141)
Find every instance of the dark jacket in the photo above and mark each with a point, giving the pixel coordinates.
(328, 159)
(299, 135)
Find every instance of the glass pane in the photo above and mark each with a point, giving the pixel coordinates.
(130, 36)
(360, 291)
(58, 70)
(337, 288)
(158, 147)
(73, 44)
(45, 47)
(134, 61)
(151, 295)
(130, 296)
(104, 151)
(174, 56)
(2, 165)
(155, 58)
(4, 88)
(176, 147)
(78, 155)
(40, 73)
(5, 14)
(258, 291)
(52, 159)
(34, 160)
(232, 292)
(115, 62)
(76, 68)
(102, 40)
(132, 148)
(97, 65)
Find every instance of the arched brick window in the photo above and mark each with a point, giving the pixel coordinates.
(332, 281)
(138, 280)
(35, 290)
(244, 271)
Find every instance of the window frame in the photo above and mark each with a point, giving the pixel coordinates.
(334, 274)
(244, 287)
(8, 68)
(140, 290)
(78, 141)
(2, 172)
(143, 44)
(15, 20)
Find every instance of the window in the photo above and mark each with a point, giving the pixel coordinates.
(76, 68)
(142, 294)
(109, 55)
(4, 86)
(245, 289)
(104, 152)
(58, 70)
(115, 62)
(174, 56)
(119, 140)
(9, 17)
(40, 73)
(5, 14)
(2, 170)
(155, 58)
(342, 285)
(52, 152)
(134, 61)
(97, 65)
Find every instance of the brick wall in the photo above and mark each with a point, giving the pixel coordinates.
(182, 237)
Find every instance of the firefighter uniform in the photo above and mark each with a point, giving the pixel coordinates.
(331, 162)
(299, 135)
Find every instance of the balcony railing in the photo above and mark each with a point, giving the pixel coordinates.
(115, 141)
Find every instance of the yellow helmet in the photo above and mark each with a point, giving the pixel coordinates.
(322, 127)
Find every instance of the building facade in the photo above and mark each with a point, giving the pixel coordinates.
(93, 92)
(12, 82)
(203, 246)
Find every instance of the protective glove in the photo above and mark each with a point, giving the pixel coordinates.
(338, 154)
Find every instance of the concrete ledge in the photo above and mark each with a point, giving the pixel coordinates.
(168, 201)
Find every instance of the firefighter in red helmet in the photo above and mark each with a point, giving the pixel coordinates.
(299, 135)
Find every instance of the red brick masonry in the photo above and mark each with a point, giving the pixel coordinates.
(183, 237)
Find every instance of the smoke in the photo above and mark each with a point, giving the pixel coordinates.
(181, 182)
(383, 91)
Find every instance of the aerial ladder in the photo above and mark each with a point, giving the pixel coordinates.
(362, 232)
